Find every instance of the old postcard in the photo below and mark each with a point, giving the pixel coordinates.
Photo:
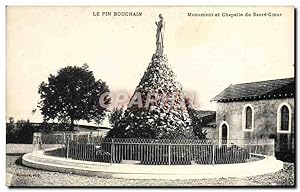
(150, 96)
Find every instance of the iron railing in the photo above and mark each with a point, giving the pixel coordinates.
(88, 147)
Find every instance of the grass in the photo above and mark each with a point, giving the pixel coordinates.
(18, 148)
(25, 176)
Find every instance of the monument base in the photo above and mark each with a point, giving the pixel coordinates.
(159, 51)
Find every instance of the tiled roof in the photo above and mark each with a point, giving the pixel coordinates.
(206, 117)
(201, 113)
(258, 90)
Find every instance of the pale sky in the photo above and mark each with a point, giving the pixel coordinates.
(207, 53)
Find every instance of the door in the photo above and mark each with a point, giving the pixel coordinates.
(224, 133)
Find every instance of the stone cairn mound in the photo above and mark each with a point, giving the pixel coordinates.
(165, 116)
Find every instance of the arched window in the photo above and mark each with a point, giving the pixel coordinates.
(284, 118)
(248, 118)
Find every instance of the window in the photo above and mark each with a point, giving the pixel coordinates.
(248, 118)
(284, 118)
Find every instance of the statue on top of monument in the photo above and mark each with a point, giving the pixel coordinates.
(160, 35)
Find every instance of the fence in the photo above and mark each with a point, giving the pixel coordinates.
(152, 152)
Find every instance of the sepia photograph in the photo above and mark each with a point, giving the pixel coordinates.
(150, 96)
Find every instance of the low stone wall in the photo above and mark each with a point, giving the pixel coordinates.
(40, 161)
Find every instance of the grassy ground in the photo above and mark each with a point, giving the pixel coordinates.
(18, 148)
(24, 176)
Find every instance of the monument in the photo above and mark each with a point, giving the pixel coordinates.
(160, 35)
(163, 117)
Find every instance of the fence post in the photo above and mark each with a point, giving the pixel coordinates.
(249, 151)
(68, 147)
(169, 154)
(40, 142)
(273, 147)
(112, 152)
(213, 153)
(64, 134)
(36, 141)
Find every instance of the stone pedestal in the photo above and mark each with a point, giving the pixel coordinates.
(159, 51)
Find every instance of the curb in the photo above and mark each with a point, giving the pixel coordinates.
(130, 171)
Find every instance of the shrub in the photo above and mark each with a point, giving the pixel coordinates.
(20, 132)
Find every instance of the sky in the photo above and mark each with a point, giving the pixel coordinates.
(207, 53)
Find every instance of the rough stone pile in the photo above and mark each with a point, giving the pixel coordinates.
(165, 116)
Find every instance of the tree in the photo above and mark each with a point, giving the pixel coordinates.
(10, 130)
(72, 95)
(162, 118)
(199, 119)
(25, 131)
(198, 122)
(115, 116)
(115, 119)
(20, 131)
